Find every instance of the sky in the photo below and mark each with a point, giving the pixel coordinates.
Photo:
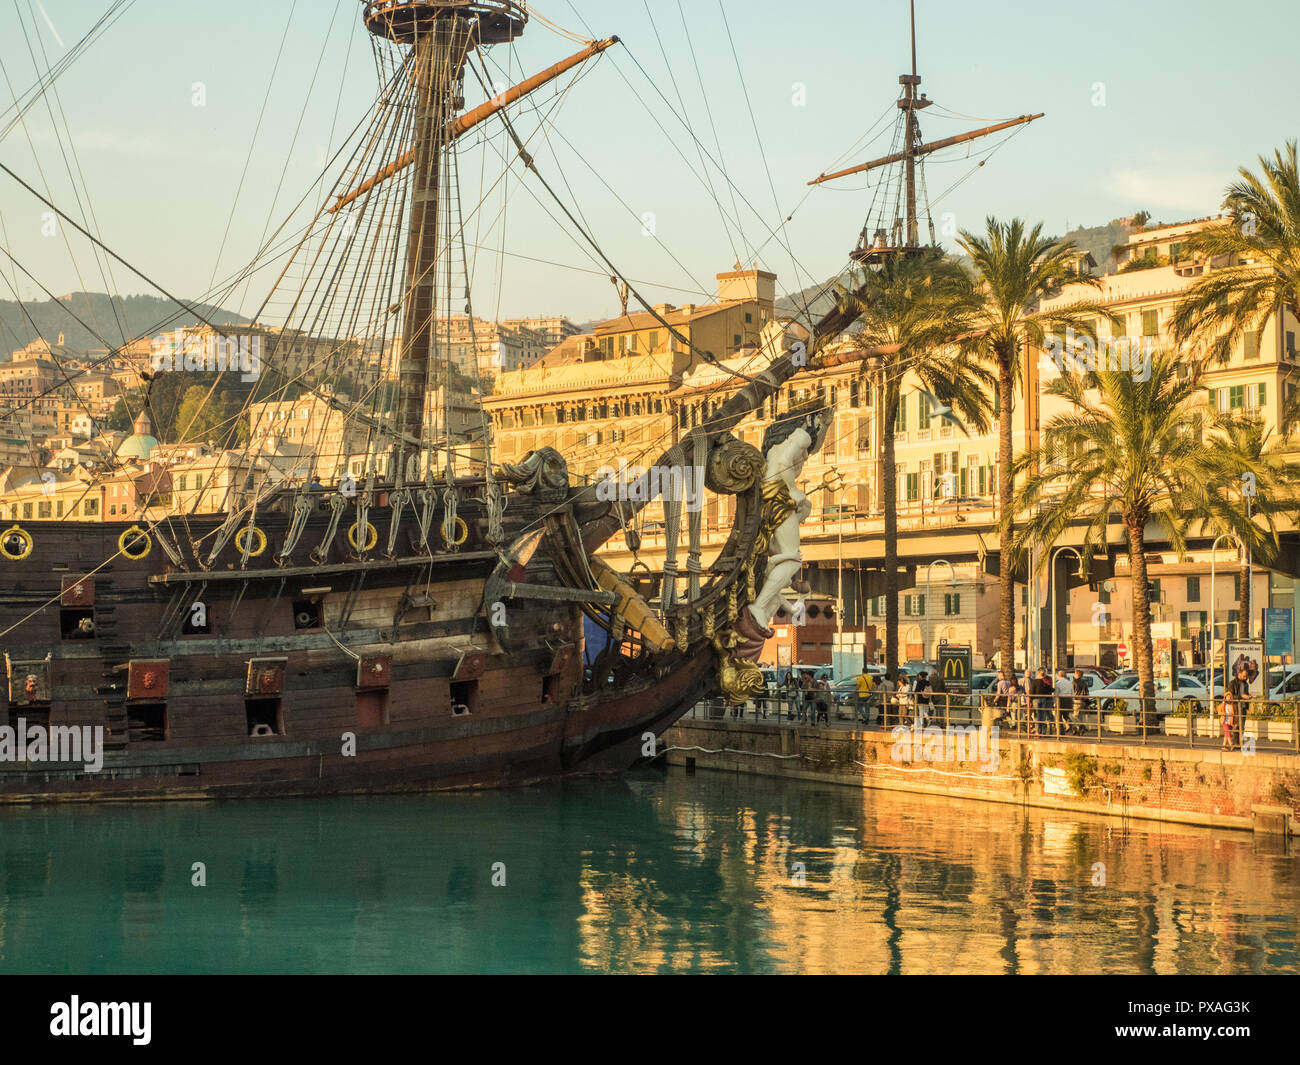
(187, 132)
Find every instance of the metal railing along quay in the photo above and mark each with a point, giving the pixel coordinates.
(1259, 724)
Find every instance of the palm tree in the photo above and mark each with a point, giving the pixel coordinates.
(911, 312)
(1127, 444)
(1016, 270)
(1257, 480)
(1264, 226)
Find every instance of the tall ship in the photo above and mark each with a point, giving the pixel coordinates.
(436, 621)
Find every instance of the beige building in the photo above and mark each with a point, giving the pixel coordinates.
(1155, 271)
(310, 421)
(554, 330)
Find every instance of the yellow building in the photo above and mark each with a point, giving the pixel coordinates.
(1155, 270)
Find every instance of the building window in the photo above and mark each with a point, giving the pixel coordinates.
(900, 417)
(952, 604)
(1193, 589)
(1250, 344)
(864, 434)
(1150, 323)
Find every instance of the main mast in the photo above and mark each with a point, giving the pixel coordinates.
(906, 236)
(440, 34)
(910, 104)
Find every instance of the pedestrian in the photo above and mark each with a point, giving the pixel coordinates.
(1240, 688)
(1040, 693)
(1000, 694)
(1016, 704)
(921, 693)
(1064, 692)
(808, 686)
(822, 699)
(1081, 693)
(1229, 720)
(866, 682)
(887, 689)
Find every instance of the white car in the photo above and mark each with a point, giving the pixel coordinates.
(1284, 682)
(1124, 689)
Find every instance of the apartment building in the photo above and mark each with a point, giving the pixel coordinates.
(1155, 270)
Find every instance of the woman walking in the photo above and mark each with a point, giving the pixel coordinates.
(1229, 721)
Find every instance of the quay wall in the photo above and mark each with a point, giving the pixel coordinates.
(1199, 786)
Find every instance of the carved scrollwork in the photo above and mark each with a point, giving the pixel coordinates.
(734, 466)
(738, 678)
(540, 470)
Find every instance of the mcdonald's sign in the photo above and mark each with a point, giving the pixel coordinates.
(954, 669)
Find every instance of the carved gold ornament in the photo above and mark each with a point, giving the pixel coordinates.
(734, 467)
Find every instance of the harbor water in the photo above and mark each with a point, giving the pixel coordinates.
(706, 872)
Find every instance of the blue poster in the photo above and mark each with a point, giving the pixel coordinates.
(1277, 631)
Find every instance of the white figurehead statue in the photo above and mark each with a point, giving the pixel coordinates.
(786, 447)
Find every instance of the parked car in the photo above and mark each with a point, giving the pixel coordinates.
(911, 669)
(1284, 682)
(1117, 696)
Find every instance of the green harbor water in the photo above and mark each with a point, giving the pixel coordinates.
(647, 873)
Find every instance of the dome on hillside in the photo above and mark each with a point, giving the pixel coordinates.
(140, 443)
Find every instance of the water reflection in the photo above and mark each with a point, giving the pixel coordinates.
(647, 874)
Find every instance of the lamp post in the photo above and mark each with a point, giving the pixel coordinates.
(1051, 598)
(1214, 547)
(926, 620)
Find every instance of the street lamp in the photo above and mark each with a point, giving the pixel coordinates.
(1051, 598)
(926, 620)
(1214, 547)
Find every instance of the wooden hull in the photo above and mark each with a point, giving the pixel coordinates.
(453, 708)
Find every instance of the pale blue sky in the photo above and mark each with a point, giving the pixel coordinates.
(1191, 92)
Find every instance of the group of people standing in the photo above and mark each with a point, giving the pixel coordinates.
(1031, 703)
(810, 696)
(1035, 701)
